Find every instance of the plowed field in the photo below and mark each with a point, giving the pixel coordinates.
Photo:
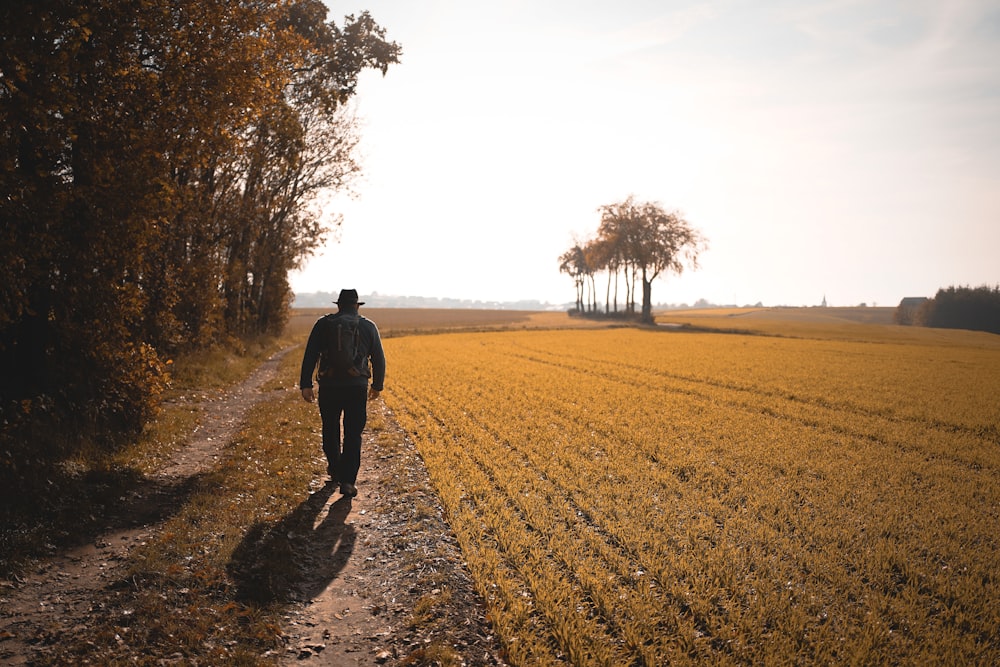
(632, 496)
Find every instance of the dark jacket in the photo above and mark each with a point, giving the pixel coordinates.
(370, 345)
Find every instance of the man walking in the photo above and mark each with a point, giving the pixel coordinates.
(343, 343)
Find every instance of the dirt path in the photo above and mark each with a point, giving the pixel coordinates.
(56, 599)
(389, 585)
(369, 561)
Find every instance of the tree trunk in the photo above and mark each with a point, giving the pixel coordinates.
(616, 290)
(628, 290)
(631, 297)
(607, 296)
(647, 299)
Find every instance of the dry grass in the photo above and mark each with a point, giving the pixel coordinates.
(82, 489)
(816, 315)
(643, 497)
(857, 324)
(212, 369)
(191, 589)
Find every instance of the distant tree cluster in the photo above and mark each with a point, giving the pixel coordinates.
(976, 308)
(159, 165)
(636, 243)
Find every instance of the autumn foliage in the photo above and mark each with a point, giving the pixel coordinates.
(158, 162)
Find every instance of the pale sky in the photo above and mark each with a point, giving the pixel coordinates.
(841, 148)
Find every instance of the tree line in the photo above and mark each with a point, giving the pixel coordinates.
(974, 308)
(636, 242)
(160, 164)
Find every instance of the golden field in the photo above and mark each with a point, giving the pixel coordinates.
(403, 321)
(824, 493)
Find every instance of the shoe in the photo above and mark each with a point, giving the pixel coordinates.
(348, 489)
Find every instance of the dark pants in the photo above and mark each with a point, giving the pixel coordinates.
(351, 402)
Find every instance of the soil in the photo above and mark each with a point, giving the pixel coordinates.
(386, 585)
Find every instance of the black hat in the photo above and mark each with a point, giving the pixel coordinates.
(348, 297)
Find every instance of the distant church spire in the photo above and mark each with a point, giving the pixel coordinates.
(824, 301)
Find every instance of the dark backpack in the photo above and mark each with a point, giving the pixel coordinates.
(342, 357)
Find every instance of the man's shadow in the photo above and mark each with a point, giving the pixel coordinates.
(296, 558)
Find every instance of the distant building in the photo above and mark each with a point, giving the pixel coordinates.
(907, 309)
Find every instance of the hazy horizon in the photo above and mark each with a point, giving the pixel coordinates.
(838, 149)
(321, 298)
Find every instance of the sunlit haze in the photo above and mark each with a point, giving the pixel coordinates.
(841, 149)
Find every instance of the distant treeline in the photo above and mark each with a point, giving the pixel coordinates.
(159, 162)
(976, 308)
(375, 300)
(325, 300)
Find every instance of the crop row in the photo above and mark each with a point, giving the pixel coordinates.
(625, 497)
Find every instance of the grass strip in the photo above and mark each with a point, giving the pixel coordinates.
(191, 591)
(75, 497)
